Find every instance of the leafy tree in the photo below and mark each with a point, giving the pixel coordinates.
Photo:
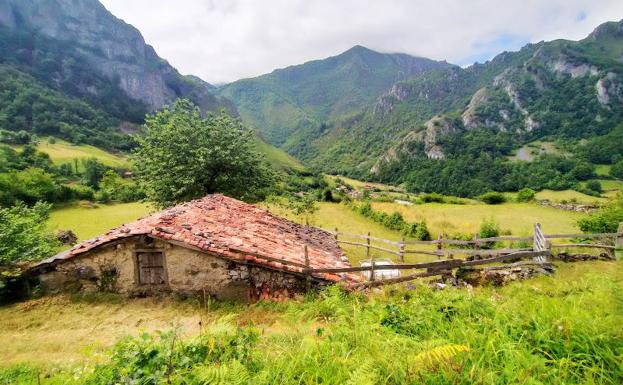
(617, 169)
(29, 186)
(184, 156)
(23, 236)
(93, 172)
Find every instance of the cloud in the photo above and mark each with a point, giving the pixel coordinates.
(225, 40)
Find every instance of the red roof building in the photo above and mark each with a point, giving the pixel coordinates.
(239, 235)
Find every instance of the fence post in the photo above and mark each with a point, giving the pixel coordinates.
(618, 241)
(335, 235)
(402, 249)
(368, 246)
(308, 270)
(476, 243)
(372, 270)
(439, 244)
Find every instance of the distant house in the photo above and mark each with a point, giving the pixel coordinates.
(225, 247)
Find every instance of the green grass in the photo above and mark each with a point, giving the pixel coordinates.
(65, 152)
(568, 195)
(279, 159)
(87, 222)
(334, 215)
(563, 329)
(529, 151)
(519, 218)
(602, 169)
(611, 187)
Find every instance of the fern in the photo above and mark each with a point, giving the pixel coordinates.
(232, 374)
(365, 374)
(435, 357)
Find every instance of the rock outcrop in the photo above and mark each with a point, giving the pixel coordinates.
(111, 47)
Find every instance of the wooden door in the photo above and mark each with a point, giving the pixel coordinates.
(151, 268)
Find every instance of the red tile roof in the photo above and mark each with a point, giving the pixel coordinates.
(234, 230)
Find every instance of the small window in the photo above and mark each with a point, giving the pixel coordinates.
(151, 268)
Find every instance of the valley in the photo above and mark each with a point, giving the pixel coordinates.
(255, 219)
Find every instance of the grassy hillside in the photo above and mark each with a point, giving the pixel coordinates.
(65, 152)
(87, 221)
(278, 158)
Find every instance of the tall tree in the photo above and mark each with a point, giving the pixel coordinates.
(184, 156)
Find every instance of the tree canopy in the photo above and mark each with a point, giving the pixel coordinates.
(184, 156)
(23, 236)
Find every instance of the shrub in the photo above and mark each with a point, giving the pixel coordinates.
(421, 231)
(606, 220)
(525, 195)
(433, 197)
(492, 198)
(594, 185)
(327, 195)
(489, 228)
(395, 221)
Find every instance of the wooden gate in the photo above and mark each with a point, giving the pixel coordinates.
(540, 243)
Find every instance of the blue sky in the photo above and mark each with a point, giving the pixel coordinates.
(225, 40)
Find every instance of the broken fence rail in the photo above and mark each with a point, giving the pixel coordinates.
(435, 265)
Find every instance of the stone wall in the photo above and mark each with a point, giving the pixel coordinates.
(113, 268)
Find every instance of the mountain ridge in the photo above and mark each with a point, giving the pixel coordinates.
(297, 97)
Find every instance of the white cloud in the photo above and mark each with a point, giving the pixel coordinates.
(225, 40)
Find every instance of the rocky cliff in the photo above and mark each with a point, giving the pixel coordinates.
(85, 31)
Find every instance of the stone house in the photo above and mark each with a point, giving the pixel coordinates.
(218, 245)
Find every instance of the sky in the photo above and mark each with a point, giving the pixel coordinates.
(226, 40)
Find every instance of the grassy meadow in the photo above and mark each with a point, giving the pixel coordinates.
(519, 218)
(89, 220)
(65, 152)
(563, 329)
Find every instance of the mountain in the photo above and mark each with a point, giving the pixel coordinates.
(570, 91)
(93, 66)
(286, 103)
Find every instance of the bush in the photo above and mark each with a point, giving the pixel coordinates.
(606, 220)
(594, 185)
(525, 195)
(492, 198)
(433, 197)
(489, 228)
(420, 232)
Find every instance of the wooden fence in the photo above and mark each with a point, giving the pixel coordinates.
(538, 253)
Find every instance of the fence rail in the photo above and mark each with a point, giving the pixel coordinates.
(541, 249)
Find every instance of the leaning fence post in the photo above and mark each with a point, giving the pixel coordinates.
(372, 270)
(402, 249)
(618, 242)
(307, 269)
(439, 245)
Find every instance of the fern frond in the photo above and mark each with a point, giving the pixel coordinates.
(233, 374)
(434, 357)
(365, 374)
